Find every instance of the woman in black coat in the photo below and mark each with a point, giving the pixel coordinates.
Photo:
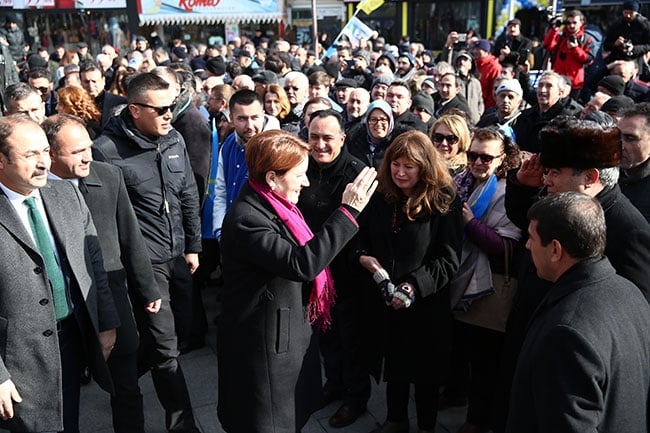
(269, 370)
(411, 245)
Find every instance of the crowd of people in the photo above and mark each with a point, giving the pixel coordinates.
(442, 222)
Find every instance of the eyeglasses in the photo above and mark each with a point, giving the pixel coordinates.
(439, 138)
(294, 88)
(376, 120)
(159, 110)
(43, 90)
(485, 158)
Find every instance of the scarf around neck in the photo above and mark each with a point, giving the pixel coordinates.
(321, 297)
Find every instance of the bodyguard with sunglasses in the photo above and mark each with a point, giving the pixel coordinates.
(162, 189)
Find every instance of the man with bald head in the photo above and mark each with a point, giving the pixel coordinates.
(356, 108)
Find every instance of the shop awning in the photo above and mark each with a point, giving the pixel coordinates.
(209, 11)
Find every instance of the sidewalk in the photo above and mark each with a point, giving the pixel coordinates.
(200, 369)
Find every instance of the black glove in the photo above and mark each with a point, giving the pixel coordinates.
(386, 286)
(405, 293)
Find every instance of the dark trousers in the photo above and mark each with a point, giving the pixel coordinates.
(159, 350)
(126, 404)
(480, 350)
(342, 357)
(426, 403)
(175, 275)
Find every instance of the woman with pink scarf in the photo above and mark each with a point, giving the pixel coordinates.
(277, 287)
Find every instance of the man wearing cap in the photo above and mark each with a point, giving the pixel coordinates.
(634, 124)
(488, 68)
(82, 52)
(470, 86)
(578, 156)
(245, 60)
(379, 87)
(612, 85)
(179, 54)
(509, 97)
(448, 97)
(262, 79)
(571, 48)
(342, 90)
(141, 44)
(14, 36)
(615, 104)
(629, 37)
(511, 46)
(422, 107)
(585, 363)
(406, 66)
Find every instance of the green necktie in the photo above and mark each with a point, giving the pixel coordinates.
(53, 269)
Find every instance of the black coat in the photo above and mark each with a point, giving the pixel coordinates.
(628, 249)
(415, 342)
(321, 198)
(638, 32)
(531, 122)
(269, 366)
(585, 364)
(197, 135)
(458, 102)
(123, 248)
(107, 103)
(635, 185)
(408, 121)
(358, 144)
(161, 186)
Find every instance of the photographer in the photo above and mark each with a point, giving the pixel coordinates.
(629, 38)
(511, 46)
(571, 48)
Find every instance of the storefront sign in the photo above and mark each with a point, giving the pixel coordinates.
(64, 4)
(100, 4)
(208, 11)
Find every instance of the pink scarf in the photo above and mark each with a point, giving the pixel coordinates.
(322, 294)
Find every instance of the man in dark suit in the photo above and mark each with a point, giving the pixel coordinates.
(56, 308)
(449, 96)
(93, 80)
(124, 251)
(585, 363)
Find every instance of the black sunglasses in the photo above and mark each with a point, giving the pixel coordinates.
(294, 88)
(43, 90)
(159, 110)
(438, 138)
(473, 156)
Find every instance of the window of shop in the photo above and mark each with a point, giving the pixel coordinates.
(432, 22)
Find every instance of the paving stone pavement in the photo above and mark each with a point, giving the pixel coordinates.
(200, 369)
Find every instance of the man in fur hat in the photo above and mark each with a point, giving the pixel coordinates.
(576, 156)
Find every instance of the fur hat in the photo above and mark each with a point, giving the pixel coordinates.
(569, 142)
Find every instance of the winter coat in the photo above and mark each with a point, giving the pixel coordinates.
(414, 342)
(570, 61)
(268, 360)
(585, 363)
(160, 183)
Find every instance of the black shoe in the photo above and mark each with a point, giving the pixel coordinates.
(346, 415)
(329, 396)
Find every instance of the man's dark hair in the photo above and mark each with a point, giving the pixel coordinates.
(451, 74)
(317, 100)
(89, 66)
(19, 92)
(244, 97)
(641, 109)
(576, 13)
(319, 78)
(285, 58)
(273, 64)
(575, 220)
(35, 74)
(401, 83)
(53, 124)
(142, 83)
(323, 114)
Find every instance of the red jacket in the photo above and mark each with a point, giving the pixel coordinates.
(569, 61)
(488, 68)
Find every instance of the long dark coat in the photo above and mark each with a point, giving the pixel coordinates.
(415, 342)
(585, 363)
(123, 248)
(29, 345)
(269, 367)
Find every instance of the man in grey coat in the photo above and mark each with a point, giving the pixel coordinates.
(585, 363)
(124, 252)
(56, 309)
